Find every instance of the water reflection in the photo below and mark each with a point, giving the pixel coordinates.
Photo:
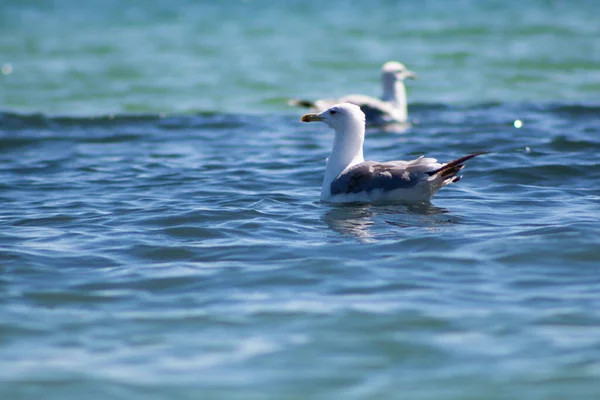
(365, 221)
(353, 220)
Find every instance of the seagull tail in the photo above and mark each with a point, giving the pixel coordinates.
(449, 171)
(302, 103)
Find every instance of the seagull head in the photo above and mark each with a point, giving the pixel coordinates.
(340, 117)
(394, 71)
(348, 122)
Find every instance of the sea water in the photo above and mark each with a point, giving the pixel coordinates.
(161, 234)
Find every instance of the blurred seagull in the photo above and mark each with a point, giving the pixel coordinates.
(390, 108)
(351, 179)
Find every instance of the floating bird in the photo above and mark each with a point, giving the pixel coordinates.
(391, 107)
(351, 179)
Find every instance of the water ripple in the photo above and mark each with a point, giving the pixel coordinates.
(192, 251)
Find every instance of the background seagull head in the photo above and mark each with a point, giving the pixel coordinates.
(393, 74)
(393, 71)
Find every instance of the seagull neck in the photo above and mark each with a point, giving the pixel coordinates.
(347, 151)
(395, 92)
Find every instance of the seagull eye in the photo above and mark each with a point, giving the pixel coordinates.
(332, 112)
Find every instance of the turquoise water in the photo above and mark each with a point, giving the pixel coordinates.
(161, 235)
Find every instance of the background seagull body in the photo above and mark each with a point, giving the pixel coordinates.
(350, 179)
(390, 108)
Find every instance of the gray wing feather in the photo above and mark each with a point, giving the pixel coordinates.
(371, 175)
(376, 110)
(372, 107)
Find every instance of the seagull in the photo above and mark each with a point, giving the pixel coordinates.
(351, 179)
(389, 108)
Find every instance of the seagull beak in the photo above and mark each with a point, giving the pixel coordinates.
(311, 118)
(410, 75)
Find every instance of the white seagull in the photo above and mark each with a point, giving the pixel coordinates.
(351, 179)
(391, 107)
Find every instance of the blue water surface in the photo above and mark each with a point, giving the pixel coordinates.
(161, 234)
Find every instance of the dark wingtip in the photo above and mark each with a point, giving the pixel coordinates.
(301, 103)
(456, 165)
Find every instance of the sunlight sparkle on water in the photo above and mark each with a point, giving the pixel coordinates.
(6, 69)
